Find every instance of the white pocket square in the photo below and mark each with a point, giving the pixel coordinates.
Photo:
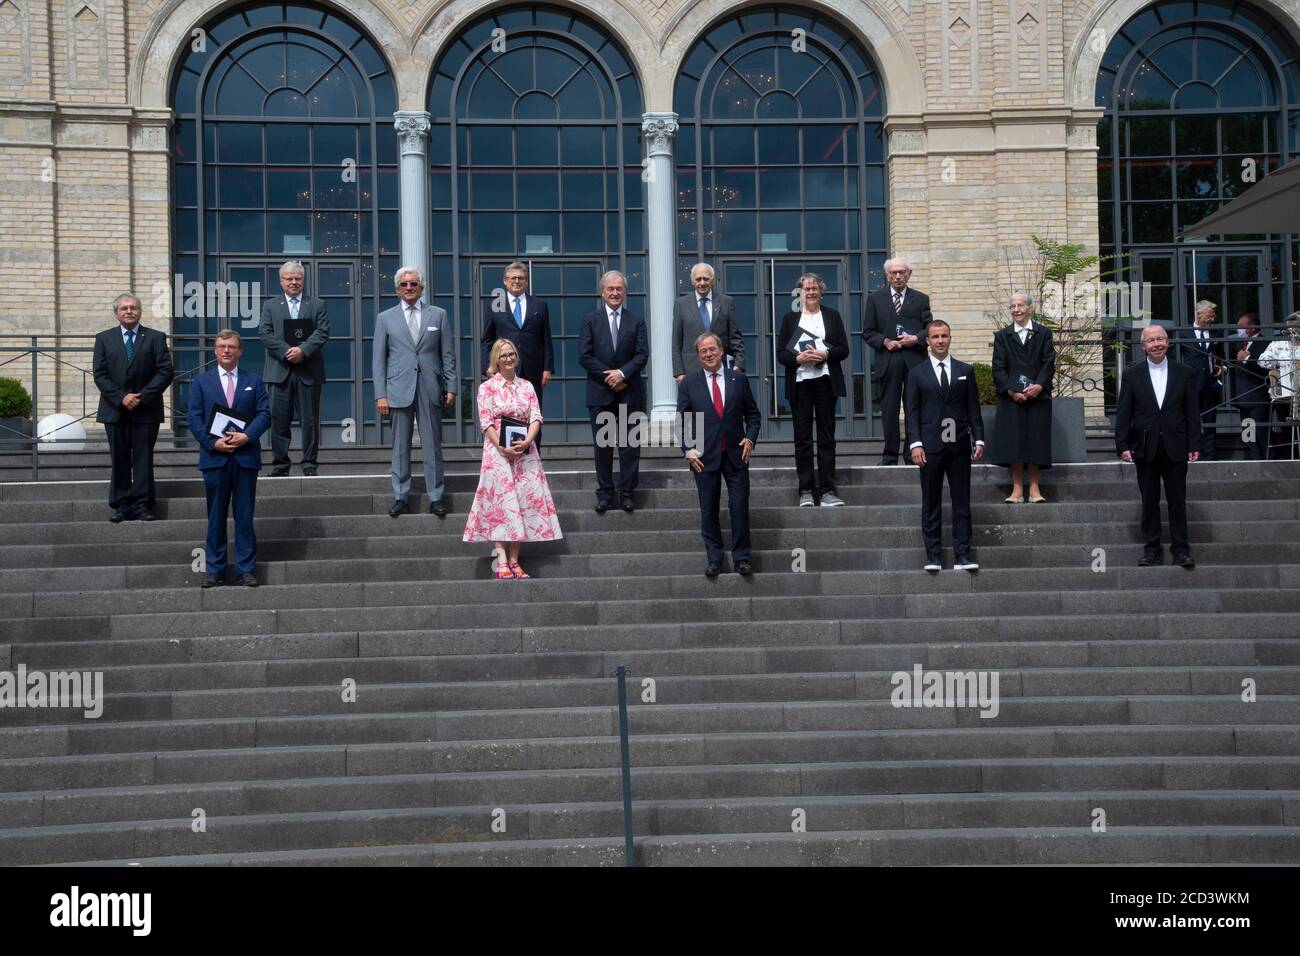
(961, 378)
(432, 328)
(248, 388)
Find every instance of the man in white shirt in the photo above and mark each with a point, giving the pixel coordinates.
(1157, 428)
(1281, 354)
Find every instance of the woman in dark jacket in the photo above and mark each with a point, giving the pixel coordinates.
(811, 345)
(1024, 362)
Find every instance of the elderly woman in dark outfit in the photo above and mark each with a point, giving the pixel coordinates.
(1024, 362)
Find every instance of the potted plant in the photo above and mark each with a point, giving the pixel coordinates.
(1068, 285)
(15, 411)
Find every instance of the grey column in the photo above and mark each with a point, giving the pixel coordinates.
(413, 135)
(661, 270)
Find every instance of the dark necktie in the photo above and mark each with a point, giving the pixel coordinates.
(898, 303)
(943, 378)
(717, 403)
(130, 345)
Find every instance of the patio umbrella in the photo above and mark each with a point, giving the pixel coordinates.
(1272, 205)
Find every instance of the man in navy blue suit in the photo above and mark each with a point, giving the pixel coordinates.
(945, 433)
(613, 348)
(230, 463)
(721, 398)
(526, 321)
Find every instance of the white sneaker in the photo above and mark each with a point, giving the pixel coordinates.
(967, 565)
(806, 499)
(933, 566)
(831, 500)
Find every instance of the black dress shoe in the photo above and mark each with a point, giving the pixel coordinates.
(889, 459)
(281, 472)
(1151, 559)
(145, 514)
(438, 508)
(309, 471)
(248, 581)
(628, 505)
(745, 568)
(398, 508)
(1184, 561)
(212, 581)
(122, 514)
(602, 507)
(713, 570)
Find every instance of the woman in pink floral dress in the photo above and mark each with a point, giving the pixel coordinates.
(513, 503)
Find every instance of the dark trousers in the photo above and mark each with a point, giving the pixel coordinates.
(288, 398)
(709, 486)
(814, 397)
(1210, 399)
(892, 382)
(1174, 476)
(1258, 413)
(953, 462)
(130, 447)
(223, 486)
(629, 458)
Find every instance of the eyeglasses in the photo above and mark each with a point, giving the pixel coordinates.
(228, 348)
(403, 285)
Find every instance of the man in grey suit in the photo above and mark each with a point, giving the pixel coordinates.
(707, 310)
(295, 367)
(415, 378)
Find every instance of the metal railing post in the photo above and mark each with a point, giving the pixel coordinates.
(36, 411)
(621, 673)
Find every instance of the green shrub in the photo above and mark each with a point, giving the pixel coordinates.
(984, 379)
(14, 400)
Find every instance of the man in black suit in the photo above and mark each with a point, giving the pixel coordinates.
(720, 399)
(945, 433)
(526, 322)
(894, 326)
(1202, 348)
(1250, 385)
(1157, 424)
(613, 347)
(294, 370)
(705, 310)
(132, 368)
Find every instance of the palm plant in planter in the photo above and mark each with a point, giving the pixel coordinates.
(1069, 287)
(15, 411)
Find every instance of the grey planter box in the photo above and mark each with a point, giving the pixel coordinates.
(1069, 437)
(10, 425)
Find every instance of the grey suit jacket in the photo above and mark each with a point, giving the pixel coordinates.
(399, 365)
(311, 370)
(687, 327)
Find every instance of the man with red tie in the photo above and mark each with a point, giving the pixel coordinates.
(720, 400)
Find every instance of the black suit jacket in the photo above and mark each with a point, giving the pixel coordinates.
(532, 342)
(597, 354)
(928, 411)
(149, 373)
(1191, 354)
(275, 312)
(1141, 424)
(740, 418)
(1250, 380)
(837, 347)
(880, 323)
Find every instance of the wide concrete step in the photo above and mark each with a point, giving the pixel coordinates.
(822, 816)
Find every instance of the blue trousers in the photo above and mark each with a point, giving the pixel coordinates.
(223, 486)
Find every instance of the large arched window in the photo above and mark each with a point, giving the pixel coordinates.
(535, 154)
(1200, 103)
(781, 168)
(284, 149)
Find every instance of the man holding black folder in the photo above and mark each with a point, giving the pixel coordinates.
(294, 329)
(229, 410)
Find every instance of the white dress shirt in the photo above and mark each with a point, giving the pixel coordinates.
(293, 303)
(1023, 330)
(1159, 380)
(233, 376)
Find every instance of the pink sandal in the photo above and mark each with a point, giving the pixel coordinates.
(518, 571)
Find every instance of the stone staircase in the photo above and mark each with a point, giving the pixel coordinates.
(480, 702)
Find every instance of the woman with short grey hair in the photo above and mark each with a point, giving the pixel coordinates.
(1024, 363)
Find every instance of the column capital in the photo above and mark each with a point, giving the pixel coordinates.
(659, 129)
(412, 130)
